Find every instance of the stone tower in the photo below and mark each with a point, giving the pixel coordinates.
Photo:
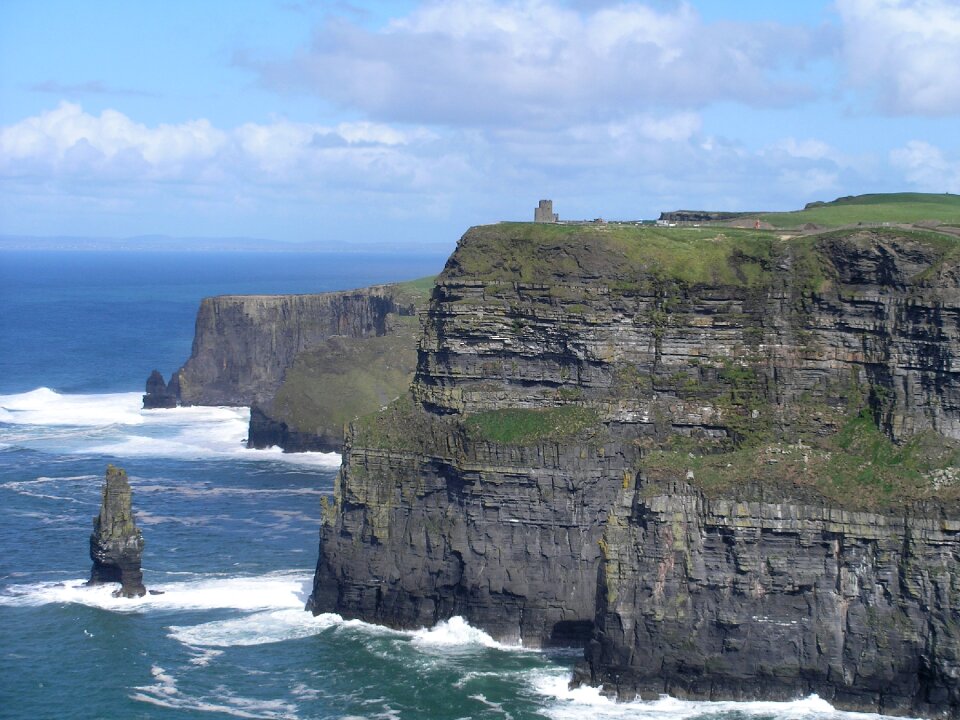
(544, 213)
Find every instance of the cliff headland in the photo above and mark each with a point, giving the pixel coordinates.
(723, 460)
(306, 364)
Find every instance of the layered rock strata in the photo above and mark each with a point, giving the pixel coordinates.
(116, 544)
(306, 364)
(243, 344)
(564, 376)
(719, 598)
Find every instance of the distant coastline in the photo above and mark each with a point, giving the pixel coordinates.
(165, 243)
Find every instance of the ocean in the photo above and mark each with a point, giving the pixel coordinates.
(231, 534)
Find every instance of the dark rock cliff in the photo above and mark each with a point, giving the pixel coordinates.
(725, 463)
(243, 344)
(306, 364)
(714, 598)
(158, 394)
(116, 545)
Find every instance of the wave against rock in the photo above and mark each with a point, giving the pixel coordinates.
(721, 461)
(116, 544)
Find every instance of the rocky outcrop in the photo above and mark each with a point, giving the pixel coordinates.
(668, 447)
(159, 394)
(431, 520)
(116, 545)
(265, 432)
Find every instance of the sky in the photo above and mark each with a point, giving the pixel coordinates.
(405, 122)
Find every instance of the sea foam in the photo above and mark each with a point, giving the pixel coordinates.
(256, 629)
(281, 590)
(584, 701)
(456, 633)
(293, 623)
(114, 424)
(164, 692)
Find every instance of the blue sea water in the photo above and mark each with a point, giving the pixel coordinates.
(231, 534)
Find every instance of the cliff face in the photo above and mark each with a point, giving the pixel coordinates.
(595, 410)
(715, 598)
(680, 350)
(306, 364)
(243, 344)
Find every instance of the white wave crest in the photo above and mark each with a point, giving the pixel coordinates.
(43, 406)
(274, 591)
(456, 633)
(257, 629)
(573, 704)
(114, 424)
(291, 623)
(165, 693)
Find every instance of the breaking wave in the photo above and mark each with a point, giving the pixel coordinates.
(114, 424)
(280, 590)
(576, 703)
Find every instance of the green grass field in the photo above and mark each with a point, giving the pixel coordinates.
(542, 253)
(518, 426)
(625, 255)
(877, 208)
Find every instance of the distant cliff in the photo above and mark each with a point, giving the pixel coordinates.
(243, 344)
(724, 462)
(700, 216)
(305, 363)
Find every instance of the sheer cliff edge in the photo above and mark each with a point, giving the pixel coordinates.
(722, 460)
(305, 364)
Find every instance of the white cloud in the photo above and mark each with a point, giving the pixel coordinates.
(263, 175)
(809, 149)
(67, 137)
(926, 168)
(69, 142)
(904, 52)
(485, 63)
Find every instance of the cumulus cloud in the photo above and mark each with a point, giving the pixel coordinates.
(111, 166)
(904, 52)
(68, 142)
(485, 63)
(68, 139)
(926, 167)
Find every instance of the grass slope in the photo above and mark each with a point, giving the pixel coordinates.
(876, 208)
(625, 257)
(616, 254)
(346, 377)
(857, 467)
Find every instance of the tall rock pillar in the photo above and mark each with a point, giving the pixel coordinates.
(116, 545)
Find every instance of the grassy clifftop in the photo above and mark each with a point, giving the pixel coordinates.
(623, 255)
(875, 208)
(544, 253)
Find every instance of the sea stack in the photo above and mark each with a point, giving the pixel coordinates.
(116, 545)
(159, 393)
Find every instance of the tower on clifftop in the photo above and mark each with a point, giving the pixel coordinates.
(544, 213)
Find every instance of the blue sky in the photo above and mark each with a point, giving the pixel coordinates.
(405, 122)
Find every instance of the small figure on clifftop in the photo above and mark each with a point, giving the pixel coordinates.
(116, 545)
